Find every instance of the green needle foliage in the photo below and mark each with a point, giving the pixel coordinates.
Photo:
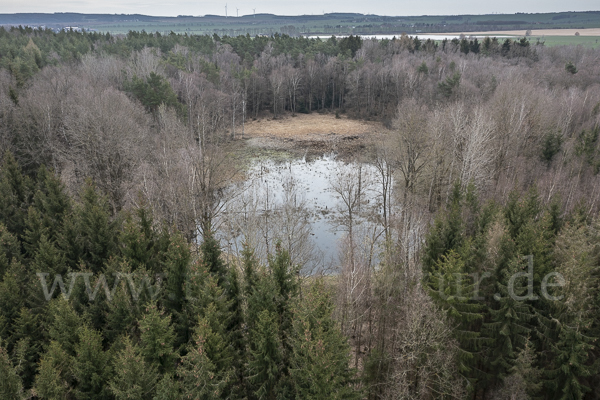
(321, 356)
(134, 378)
(92, 367)
(265, 364)
(11, 387)
(157, 338)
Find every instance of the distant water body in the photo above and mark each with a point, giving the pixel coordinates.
(421, 36)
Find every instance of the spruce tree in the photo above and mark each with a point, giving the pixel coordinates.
(571, 366)
(49, 207)
(211, 257)
(47, 259)
(127, 303)
(177, 268)
(447, 232)
(210, 303)
(285, 276)
(10, 249)
(64, 325)
(91, 235)
(91, 366)
(321, 355)
(140, 243)
(572, 325)
(13, 293)
(11, 387)
(519, 211)
(204, 369)
(250, 267)
(54, 380)
(265, 364)
(168, 388)
(27, 338)
(510, 323)
(452, 289)
(157, 338)
(235, 326)
(15, 196)
(134, 378)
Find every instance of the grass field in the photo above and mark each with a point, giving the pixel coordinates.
(588, 41)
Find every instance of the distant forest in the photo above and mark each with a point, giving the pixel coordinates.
(473, 275)
(326, 24)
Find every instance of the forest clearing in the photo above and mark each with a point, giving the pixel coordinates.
(317, 133)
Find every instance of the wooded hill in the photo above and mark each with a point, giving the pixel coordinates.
(331, 23)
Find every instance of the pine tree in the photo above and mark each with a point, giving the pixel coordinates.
(11, 387)
(134, 378)
(157, 339)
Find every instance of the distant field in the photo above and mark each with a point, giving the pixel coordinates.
(553, 37)
(544, 32)
(589, 41)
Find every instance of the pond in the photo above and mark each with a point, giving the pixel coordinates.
(300, 202)
(421, 36)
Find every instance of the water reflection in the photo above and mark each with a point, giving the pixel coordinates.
(294, 201)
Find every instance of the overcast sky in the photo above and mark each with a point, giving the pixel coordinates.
(281, 7)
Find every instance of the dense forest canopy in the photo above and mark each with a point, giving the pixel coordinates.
(474, 274)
